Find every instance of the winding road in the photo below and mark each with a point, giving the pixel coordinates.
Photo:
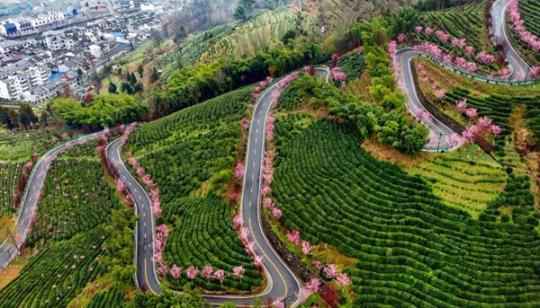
(282, 282)
(146, 277)
(439, 133)
(520, 68)
(29, 202)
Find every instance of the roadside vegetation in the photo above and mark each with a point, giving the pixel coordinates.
(191, 155)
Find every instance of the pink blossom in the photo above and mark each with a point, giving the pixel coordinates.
(468, 135)
(495, 129)
(428, 31)
(294, 237)
(278, 304)
(317, 264)
(418, 29)
(440, 93)
(484, 122)
(267, 203)
(338, 74)
(175, 271)
(306, 247)
(455, 139)
(330, 271)
(276, 213)
(471, 113)
(485, 58)
(313, 285)
(258, 261)
(238, 271)
(239, 170)
(442, 36)
(207, 271)
(192, 272)
(343, 280)
(535, 71)
(469, 50)
(238, 221)
(402, 37)
(219, 275)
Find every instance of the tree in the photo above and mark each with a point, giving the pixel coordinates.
(140, 70)
(131, 78)
(187, 299)
(155, 75)
(127, 88)
(44, 119)
(113, 88)
(26, 116)
(244, 9)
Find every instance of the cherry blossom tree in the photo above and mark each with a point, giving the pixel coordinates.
(219, 275)
(238, 271)
(192, 272)
(207, 271)
(343, 280)
(175, 271)
(306, 247)
(313, 285)
(294, 237)
(330, 271)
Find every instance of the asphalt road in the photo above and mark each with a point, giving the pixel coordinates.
(146, 277)
(520, 68)
(439, 133)
(8, 249)
(282, 282)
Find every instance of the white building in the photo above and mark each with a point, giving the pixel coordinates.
(95, 51)
(56, 40)
(47, 19)
(4, 91)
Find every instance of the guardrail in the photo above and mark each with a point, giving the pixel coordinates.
(445, 119)
(472, 76)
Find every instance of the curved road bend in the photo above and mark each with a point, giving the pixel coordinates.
(282, 282)
(146, 277)
(439, 133)
(520, 68)
(439, 136)
(29, 202)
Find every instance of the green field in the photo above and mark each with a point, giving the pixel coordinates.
(9, 176)
(530, 13)
(191, 155)
(463, 22)
(21, 145)
(467, 179)
(411, 248)
(70, 234)
(203, 234)
(76, 198)
(57, 274)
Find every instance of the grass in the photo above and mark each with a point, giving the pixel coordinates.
(465, 21)
(466, 179)
(411, 248)
(22, 145)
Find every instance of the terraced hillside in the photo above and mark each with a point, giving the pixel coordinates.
(191, 156)
(465, 21)
(411, 248)
(9, 176)
(530, 13)
(204, 232)
(57, 274)
(70, 233)
(75, 197)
